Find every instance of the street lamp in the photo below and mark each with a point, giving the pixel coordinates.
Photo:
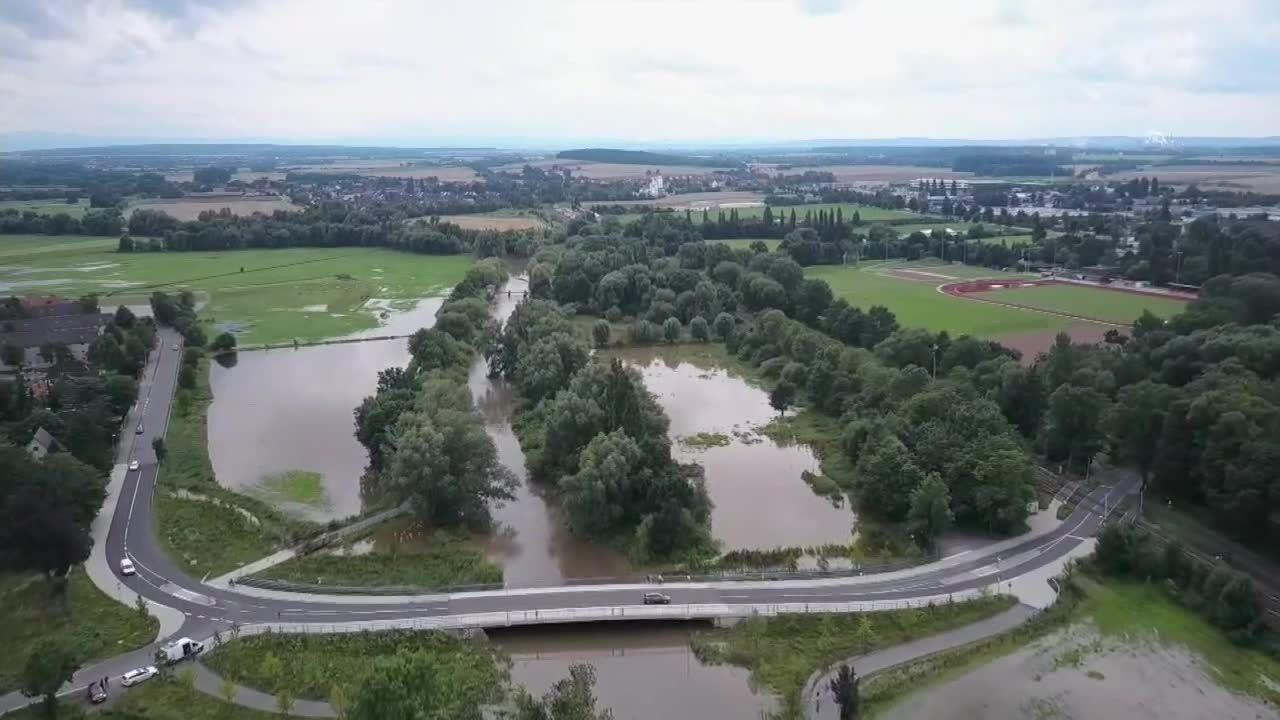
(935, 361)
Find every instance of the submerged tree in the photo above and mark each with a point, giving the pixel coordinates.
(845, 688)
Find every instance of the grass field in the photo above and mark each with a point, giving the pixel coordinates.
(744, 243)
(98, 625)
(500, 220)
(1096, 303)
(919, 304)
(262, 295)
(47, 207)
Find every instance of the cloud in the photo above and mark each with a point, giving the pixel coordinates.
(642, 70)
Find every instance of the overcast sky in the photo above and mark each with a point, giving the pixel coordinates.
(642, 70)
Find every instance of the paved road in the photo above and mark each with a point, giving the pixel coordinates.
(207, 609)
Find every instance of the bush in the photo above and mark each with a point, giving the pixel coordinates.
(600, 333)
(613, 314)
(224, 342)
(724, 325)
(643, 332)
(773, 367)
(699, 330)
(671, 329)
(795, 373)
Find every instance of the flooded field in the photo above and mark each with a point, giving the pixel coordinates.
(760, 499)
(644, 671)
(1076, 673)
(277, 411)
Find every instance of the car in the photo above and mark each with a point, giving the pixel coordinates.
(137, 675)
(656, 598)
(138, 430)
(134, 465)
(175, 346)
(126, 567)
(96, 694)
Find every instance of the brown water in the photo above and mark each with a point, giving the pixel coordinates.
(760, 500)
(643, 671)
(292, 409)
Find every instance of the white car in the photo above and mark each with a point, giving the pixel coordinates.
(133, 677)
(126, 567)
(175, 346)
(134, 465)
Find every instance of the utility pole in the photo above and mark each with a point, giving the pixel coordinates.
(1178, 276)
(935, 361)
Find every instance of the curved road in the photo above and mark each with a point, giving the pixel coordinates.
(207, 609)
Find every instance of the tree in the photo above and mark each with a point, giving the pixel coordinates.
(930, 512)
(229, 689)
(671, 329)
(572, 698)
(782, 396)
(1135, 423)
(187, 378)
(223, 342)
(1074, 428)
(52, 663)
(12, 354)
(845, 688)
(414, 685)
(724, 325)
(698, 329)
(284, 700)
(884, 477)
(446, 464)
(600, 332)
(157, 446)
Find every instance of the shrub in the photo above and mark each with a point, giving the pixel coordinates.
(699, 330)
(671, 329)
(600, 333)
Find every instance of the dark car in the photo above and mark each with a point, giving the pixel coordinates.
(96, 693)
(656, 598)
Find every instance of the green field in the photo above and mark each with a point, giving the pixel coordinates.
(919, 304)
(1095, 303)
(744, 243)
(262, 295)
(47, 207)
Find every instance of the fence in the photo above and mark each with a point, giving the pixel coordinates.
(296, 587)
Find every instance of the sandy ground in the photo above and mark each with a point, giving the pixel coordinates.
(1032, 344)
(189, 208)
(873, 173)
(1259, 178)
(484, 222)
(697, 201)
(1077, 674)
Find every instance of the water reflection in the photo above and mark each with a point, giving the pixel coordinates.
(760, 499)
(643, 671)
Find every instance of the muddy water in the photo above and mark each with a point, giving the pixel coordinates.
(643, 671)
(292, 409)
(760, 499)
(1076, 674)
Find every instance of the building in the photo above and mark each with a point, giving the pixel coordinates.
(656, 187)
(42, 443)
(52, 321)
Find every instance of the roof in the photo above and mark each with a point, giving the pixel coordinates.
(44, 439)
(67, 329)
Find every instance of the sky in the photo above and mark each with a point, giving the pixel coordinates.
(567, 71)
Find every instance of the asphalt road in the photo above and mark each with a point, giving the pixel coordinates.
(208, 609)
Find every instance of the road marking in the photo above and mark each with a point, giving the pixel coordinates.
(735, 597)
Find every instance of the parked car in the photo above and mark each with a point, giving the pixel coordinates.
(138, 430)
(96, 694)
(137, 675)
(134, 465)
(126, 567)
(656, 598)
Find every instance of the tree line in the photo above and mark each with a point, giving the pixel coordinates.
(594, 432)
(106, 223)
(427, 444)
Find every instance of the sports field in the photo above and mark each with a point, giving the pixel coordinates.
(1115, 306)
(917, 303)
(265, 295)
(744, 243)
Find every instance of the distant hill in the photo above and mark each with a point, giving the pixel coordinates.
(638, 157)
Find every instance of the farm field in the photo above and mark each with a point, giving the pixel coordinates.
(875, 173)
(500, 220)
(697, 201)
(1115, 306)
(47, 207)
(919, 304)
(393, 168)
(262, 295)
(189, 208)
(1258, 178)
(607, 171)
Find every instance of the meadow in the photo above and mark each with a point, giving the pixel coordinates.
(1095, 303)
(498, 220)
(189, 208)
(744, 243)
(47, 207)
(263, 295)
(919, 304)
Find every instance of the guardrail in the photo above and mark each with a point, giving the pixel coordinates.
(320, 588)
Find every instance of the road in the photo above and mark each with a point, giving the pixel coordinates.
(208, 610)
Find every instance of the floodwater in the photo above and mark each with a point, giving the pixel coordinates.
(293, 409)
(1076, 674)
(760, 500)
(642, 671)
